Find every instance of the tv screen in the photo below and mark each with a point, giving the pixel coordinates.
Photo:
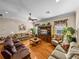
(43, 31)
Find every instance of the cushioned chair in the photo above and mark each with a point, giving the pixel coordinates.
(54, 42)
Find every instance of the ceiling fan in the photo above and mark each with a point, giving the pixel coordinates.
(31, 19)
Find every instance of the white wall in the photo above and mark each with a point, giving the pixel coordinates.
(70, 16)
(77, 24)
(7, 26)
(77, 18)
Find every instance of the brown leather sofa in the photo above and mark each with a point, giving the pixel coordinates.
(22, 52)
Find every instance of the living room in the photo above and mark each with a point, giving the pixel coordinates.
(39, 29)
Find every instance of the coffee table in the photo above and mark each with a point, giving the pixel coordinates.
(35, 41)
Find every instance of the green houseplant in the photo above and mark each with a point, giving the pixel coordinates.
(33, 30)
(68, 33)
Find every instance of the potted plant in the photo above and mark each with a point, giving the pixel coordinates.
(68, 33)
(33, 30)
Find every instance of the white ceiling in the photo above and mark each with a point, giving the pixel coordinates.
(19, 9)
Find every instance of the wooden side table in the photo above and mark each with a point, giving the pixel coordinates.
(35, 41)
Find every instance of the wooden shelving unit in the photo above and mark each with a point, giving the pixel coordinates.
(44, 32)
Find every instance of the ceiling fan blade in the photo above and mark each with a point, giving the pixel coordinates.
(34, 19)
(31, 18)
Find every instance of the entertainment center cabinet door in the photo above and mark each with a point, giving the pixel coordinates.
(49, 39)
(42, 37)
(45, 38)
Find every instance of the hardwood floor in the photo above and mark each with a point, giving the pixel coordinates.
(1, 57)
(40, 51)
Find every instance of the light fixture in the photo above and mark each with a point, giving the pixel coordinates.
(6, 12)
(57, 1)
(47, 12)
(12, 32)
(30, 21)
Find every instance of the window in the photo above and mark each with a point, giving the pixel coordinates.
(59, 25)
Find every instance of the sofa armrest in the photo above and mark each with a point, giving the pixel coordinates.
(58, 54)
(6, 54)
(51, 57)
(54, 42)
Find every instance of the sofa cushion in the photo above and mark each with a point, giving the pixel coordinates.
(14, 49)
(11, 49)
(58, 47)
(73, 44)
(73, 51)
(75, 57)
(58, 54)
(21, 53)
(8, 42)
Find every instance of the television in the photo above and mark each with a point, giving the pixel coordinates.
(43, 31)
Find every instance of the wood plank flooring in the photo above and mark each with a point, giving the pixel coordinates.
(1, 57)
(40, 51)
